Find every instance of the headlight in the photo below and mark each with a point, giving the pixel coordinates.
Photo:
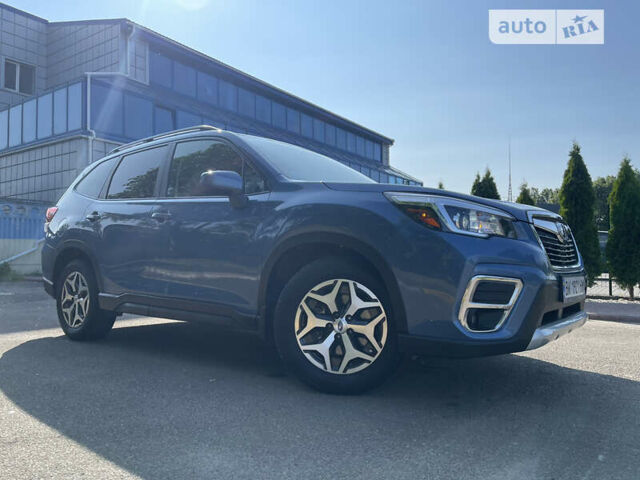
(459, 216)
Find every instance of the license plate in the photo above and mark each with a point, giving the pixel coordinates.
(573, 288)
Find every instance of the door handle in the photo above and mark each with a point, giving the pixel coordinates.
(93, 216)
(161, 216)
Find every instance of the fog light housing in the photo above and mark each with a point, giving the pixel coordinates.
(484, 319)
(487, 302)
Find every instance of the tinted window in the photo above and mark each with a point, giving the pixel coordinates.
(163, 120)
(27, 79)
(10, 75)
(60, 111)
(253, 181)
(301, 164)
(192, 159)
(136, 175)
(45, 112)
(91, 185)
(75, 107)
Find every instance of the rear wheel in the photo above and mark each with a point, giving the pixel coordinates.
(333, 327)
(79, 314)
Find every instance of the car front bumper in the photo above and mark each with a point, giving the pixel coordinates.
(552, 331)
(48, 286)
(538, 317)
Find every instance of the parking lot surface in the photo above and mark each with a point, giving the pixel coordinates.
(160, 399)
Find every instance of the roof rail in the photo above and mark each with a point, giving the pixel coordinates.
(198, 128)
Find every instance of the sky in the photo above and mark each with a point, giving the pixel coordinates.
(425, 74)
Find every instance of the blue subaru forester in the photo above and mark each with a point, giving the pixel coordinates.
(342, 273)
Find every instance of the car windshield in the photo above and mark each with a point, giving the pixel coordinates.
(300, 164)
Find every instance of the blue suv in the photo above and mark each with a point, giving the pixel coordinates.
(341, 273)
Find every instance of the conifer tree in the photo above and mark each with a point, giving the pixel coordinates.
(577, 208)
(485, 186)
(525, 196)
(623, 245)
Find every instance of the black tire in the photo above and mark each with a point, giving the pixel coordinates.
(294, 292)
(97, 323)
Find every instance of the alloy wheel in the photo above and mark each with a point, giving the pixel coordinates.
(74, 299)
(341, 326)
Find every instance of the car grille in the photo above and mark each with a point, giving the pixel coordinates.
(561, 254)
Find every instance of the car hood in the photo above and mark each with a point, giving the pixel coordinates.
(518, 210)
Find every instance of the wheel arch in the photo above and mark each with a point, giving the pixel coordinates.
(73, 250)
(295, 252)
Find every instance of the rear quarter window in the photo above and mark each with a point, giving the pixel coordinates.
(93, 182)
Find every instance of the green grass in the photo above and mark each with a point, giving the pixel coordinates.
(7, 274)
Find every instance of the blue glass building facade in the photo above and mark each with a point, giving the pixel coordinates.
(101, 83)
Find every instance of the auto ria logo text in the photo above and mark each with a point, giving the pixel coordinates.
(579, 27)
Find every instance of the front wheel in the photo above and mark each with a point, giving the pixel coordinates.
(333, 327)
(79, 314)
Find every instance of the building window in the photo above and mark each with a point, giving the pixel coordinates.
(74, 106)
(138, 113)
(29, 121)
(187, 119)
(318, 130)
(184, 79)
(228, 96)
(19, 77)
(307, 126)
(263, 109)
(15, 125)
(163, 118)
(279, 115)
(246, 103)
(293, 120)
(4, 129)
(60, 111)
(45, 115)
(161, 70)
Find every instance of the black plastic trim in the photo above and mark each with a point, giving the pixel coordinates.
(179, 309)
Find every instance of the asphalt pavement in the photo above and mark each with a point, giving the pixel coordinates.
(160, 399)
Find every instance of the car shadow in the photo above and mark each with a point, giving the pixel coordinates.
(181, 400)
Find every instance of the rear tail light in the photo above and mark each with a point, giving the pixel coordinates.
(51, 212)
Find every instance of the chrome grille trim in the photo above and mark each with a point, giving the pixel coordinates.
(557, 240)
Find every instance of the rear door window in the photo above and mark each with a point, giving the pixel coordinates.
(92, 183)
(137, 174)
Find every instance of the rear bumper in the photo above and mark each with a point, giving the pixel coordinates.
(552, 331)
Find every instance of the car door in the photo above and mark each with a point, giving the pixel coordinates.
(130, 239)
(214, 252)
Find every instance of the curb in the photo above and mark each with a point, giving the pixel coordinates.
(631, 319)
(31, 278)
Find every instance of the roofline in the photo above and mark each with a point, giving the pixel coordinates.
(66, 22)
(397, 171)
(92, 22)
(206, 57)
(22, 12)
(197, 53)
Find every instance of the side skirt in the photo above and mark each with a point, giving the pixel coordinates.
(179, 309)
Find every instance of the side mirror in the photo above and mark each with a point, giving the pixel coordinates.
(221, 182)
